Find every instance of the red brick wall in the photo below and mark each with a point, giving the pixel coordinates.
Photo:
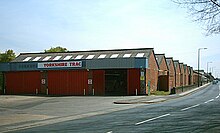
(191, 69)
(163, 83)
(178, 74)
(186, 77)
(163, 67)
(195, 78)
(171, 76)
(152, 73)
(182, 75)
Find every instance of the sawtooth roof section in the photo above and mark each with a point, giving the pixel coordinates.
(159, 58)
(177, 64)
(93, 54)
(168, 60)
(185, 67)
(189, 69)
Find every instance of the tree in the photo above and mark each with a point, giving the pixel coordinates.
(56, 49)
(206, 12)
(8, 56)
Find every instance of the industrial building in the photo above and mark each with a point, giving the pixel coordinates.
(97, 72)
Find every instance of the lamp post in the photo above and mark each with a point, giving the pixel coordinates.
(198, 63)
(208, 71)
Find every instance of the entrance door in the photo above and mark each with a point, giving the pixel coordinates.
(163, 83)
(44, 83)
(116, 82)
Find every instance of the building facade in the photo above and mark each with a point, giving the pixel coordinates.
(163, 76)
(178, 73)
(172, 73)
(97, 72)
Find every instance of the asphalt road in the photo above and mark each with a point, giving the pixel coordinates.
(197, 112)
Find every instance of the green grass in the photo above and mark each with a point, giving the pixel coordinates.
(160, 93)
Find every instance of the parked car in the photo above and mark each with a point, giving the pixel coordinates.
(215, 82)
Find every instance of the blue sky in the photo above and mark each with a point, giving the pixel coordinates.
(35, 25)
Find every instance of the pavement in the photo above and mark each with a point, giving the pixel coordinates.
(21, 112)
(156, 99)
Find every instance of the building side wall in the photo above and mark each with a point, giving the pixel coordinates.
(171, 76)
(186, 77)
(163, 67)
(163, 79)
(152, 74)
(182, 82)
(191, 76)
(178, 74)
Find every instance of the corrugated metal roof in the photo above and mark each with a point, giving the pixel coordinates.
(185, 67)
(177, 64)
(159, 58)
(168, 60)
(77, 55)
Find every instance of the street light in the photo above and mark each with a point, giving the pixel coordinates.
(208, 70)
(198, 63)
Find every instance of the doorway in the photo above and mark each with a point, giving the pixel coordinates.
(116, 82)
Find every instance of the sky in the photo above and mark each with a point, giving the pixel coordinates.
(36, 25)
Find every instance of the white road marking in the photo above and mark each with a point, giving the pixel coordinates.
(217, 97)
(110, 132)
(209, 101)
(152, 119)
(190, 107)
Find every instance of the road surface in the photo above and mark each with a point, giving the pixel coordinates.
(197, 112)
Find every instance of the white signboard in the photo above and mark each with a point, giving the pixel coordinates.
(90, 81)
(43, 81)
(60, 64)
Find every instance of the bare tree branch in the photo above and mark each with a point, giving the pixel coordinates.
(206, 12)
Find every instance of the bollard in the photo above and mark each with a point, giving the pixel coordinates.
(4, 91)
(93, 92)
(84, 92)
(36, 91)
(47, 91)
(136, 92)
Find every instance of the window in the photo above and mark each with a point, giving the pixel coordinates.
(127, 55)
(90, 57)
(140, 55)
(114, 56)
(36, 59)
(102, 56)
(57, 57)
(46, 58)
(68, 57)
(27, 58)
(79, 57)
